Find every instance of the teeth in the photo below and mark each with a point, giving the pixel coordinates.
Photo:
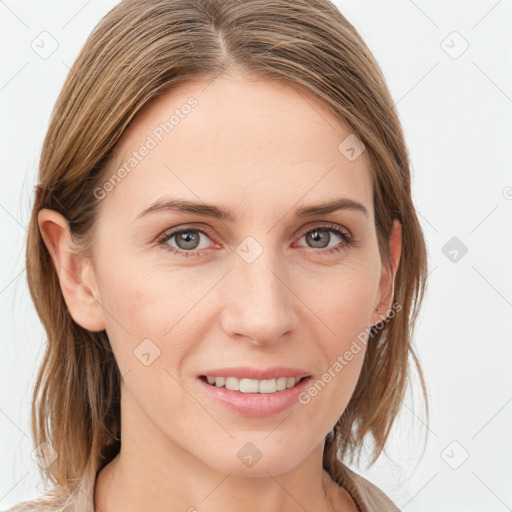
(232, 383)
(248, 386)
(253, 385)
(281, 383)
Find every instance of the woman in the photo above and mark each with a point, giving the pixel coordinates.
(207, 349)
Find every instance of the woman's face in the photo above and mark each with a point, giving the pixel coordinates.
(261, 287)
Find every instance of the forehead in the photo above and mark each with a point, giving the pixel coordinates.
(236, 141)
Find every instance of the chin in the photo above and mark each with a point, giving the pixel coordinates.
(258, 458)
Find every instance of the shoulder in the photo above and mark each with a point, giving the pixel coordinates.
(40, 505)
(36, 505)
(80, 499)
(29, 506)
(367, 495)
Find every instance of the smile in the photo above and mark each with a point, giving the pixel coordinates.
(253, 385)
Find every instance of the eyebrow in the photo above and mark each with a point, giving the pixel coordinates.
(217, 212)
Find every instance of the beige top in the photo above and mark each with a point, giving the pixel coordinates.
(366, 496)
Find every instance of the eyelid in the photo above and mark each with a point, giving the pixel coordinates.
(324, 224)
(184, 227)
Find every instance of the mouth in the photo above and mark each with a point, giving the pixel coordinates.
(253, 386)
(254, 398)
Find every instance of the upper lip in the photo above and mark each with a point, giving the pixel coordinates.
(244, 372)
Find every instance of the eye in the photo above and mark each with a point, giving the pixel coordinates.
(188, 239)
(320, 237)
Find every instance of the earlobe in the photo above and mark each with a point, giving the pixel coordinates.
(76, 275)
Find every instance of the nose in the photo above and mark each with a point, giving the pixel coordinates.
(260, 304)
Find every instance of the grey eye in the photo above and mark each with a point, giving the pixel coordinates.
(320, 238)
(187, 240)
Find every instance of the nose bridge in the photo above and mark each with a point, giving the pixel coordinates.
(261, 305)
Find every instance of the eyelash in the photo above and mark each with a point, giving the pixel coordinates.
(348, 240)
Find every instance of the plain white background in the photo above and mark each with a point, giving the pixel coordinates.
(448, 65)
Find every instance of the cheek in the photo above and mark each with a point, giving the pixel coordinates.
(144, 303)
(343, 300)
(329, 393)
(343, 305)
(140, 295)
(149, 334)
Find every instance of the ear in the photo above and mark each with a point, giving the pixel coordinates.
(387, 281)
(76, 274)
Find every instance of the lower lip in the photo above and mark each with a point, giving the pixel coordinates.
(256, 405)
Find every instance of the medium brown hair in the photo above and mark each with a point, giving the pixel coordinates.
(138, 51)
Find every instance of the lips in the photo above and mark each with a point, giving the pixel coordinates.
(253, 404)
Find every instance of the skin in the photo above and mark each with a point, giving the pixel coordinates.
(262, 149)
